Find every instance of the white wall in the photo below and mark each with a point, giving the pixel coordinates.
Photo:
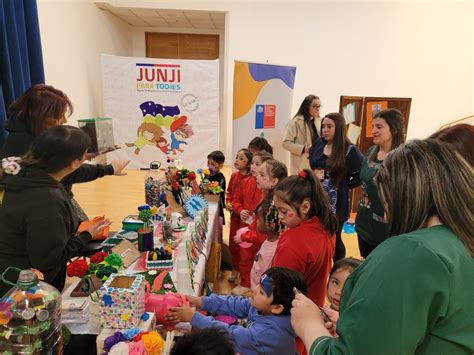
(422, 50)
(73, 35)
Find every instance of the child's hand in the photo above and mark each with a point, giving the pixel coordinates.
(180, 314)
(244, 215)
(228, 206)
(118, 166)
(195, 301)
(238, 238)
(97, 227)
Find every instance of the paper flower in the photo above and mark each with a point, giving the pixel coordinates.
(98, 257)
(153, 343)
(192, 175)
(77, 268)
(114, 260)
(214, 188)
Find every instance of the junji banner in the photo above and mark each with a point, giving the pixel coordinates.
(162, 108)
(263, 96)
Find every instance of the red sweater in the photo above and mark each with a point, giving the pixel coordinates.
(234, 185)
(248, 196)
(308, 249)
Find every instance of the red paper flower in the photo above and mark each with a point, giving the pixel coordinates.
(98, 257)
(192, 175)
(303, 174)
(77, 268)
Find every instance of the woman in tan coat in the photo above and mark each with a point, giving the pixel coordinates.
(301, 132)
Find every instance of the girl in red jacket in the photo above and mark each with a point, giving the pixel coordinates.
(245, 200)
(242, 164)
(268, 175)
(308, 244)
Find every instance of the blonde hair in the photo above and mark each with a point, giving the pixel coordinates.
(427, 178)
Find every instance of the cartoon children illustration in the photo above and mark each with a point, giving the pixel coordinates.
(147, 133)
(180, 129)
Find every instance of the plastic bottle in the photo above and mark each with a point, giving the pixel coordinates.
(30, 316)
(154, 180)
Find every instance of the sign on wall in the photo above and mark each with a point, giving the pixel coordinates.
(263, 96)
(162, 108)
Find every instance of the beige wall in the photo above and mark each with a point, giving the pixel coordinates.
(73, 35)
(423, 50)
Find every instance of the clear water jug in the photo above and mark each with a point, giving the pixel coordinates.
(30, 316)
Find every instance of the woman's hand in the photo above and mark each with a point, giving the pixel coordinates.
(195, 301)
(180, 314)
(99, 226)
(307, 320)
(118, 166)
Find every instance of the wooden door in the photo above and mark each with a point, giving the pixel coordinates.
(182, 46)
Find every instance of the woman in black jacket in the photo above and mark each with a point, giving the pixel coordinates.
(38, 223)
(39, 108)
(336, 163)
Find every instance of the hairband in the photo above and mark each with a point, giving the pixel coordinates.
(266, 283)
(303, 174)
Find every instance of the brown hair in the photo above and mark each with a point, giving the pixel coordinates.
(276, 169)
(38, 105)
(394, 119)
(337, 159)
(461, 137)
(427, 178)
(294, 189)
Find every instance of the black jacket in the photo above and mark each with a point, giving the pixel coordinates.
(37, 225)
(19, 141)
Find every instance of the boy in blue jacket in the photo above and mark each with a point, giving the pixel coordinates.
(267, 312)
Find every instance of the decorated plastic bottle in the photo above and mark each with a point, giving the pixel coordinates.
(30, 316)
(154, 180)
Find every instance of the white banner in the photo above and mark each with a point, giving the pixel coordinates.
(262, 105)
(162, 108)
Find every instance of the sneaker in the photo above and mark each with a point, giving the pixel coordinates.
(240, 290)
(234, 276)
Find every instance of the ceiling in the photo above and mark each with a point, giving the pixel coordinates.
(183, 19)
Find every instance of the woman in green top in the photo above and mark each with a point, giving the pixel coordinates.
(371, 225)
(414, 294)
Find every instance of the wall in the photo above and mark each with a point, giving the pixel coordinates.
(74, 35)
(422, 50)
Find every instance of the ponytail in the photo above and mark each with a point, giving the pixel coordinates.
(296, 188)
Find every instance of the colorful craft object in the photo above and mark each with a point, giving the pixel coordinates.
(194, 205)
(122, 301)
(160, 258)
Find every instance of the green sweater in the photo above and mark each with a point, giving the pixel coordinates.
(370, 223)
(413, 295)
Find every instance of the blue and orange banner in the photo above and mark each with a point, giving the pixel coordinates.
(263, 96)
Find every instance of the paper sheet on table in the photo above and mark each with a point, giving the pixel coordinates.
(348, 112)
(353, 133)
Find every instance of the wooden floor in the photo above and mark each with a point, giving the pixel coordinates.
(118, 196)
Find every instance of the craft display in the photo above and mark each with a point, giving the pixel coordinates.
(194, 205)
(30, 316)
(181, 181)
(160, 281)
(160, 305)
(132, 223)
(160, 258)
(146, 234)
(177, 222)
(146, 324)
(122, 301)
(101, 265)
(134, 341)
(101, 133)
(156, 186)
